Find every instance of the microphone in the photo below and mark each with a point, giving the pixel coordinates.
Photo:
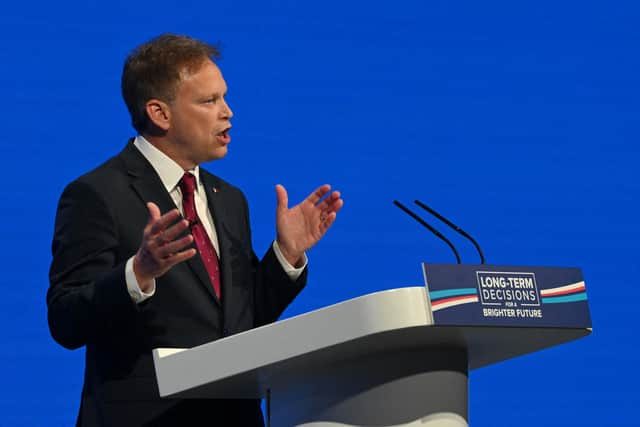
(429, 227)
(455, 227)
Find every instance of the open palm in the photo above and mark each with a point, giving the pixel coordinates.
(299, 228)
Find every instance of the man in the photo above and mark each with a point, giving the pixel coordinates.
(150, 250)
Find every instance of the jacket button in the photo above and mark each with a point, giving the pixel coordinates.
(225, 332)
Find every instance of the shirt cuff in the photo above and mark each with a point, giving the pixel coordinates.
(136, 294)
(291, 271)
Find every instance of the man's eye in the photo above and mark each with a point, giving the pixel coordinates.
(211, 100)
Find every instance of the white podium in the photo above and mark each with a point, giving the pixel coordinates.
(376, 360)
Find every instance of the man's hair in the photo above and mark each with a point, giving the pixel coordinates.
(153, 71)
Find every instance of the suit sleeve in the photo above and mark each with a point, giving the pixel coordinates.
(274, 289)
(87, 297)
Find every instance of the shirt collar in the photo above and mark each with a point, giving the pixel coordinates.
(168, 170)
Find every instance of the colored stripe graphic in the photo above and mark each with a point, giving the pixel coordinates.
(565, 298)
(450, 302)
(573, 288)
(434, 295)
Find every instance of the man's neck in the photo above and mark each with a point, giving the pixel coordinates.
(163, 144)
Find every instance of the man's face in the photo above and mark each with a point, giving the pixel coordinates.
(200, 117)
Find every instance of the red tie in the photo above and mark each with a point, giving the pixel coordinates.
(206, 249)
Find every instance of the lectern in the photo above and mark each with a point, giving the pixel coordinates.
(393, 358)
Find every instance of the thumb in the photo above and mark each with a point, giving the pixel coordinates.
(282, 198)
(154, 212)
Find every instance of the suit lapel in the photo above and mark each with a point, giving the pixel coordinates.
(147, 184)
(145, 181)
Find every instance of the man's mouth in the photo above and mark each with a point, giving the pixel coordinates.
(224, 136)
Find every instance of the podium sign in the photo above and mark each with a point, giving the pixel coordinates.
(494, 295)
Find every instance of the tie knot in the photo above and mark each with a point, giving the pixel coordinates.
(188, 183)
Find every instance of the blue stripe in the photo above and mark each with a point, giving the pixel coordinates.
(582, 296)
(452, 293)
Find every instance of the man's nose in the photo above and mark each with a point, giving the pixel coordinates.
(226, 111)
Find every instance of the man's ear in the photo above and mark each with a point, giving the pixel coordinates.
(159, 113)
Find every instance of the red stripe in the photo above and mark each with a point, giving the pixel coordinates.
(565, 292)
(446, 300)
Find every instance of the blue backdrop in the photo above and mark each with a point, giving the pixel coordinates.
(516, 119)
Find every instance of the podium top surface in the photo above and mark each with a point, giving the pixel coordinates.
(394, 321)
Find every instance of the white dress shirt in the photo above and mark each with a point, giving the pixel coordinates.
(170, 174)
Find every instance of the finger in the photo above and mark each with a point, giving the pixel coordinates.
(179, 257)
(164, 237)
(174, 247)
(154, 211)
(328, 216)
(329, 200)
(333, 208)
(282, 198)
(175, 230)
(324, 226)
(318, 193)
(154, 214)
(161, 223)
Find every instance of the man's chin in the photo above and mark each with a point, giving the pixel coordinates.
(217, 154)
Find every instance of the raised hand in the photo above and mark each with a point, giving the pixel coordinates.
(161, 248)
(302, 226)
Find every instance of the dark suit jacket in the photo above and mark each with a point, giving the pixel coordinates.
(98, 227)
